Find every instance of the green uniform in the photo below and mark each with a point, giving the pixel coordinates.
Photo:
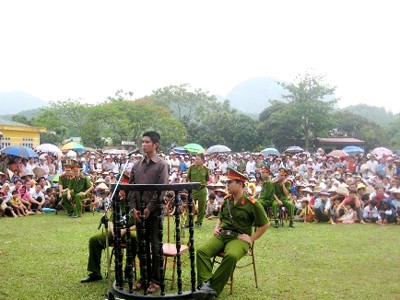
(201, 175)
(246, 214)
(77, 185)
(285, 199)
(98, 242)
(64, 181)
(267, 198)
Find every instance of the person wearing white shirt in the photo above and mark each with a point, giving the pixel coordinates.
(251, 166)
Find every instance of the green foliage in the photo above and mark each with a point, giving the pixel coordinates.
(208, 122)
(21, 119)
(359, 127)
(117, 118)
(393, 131)
(377, 115)
(304, 112)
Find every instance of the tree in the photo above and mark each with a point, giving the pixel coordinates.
(350, 124)
(393, 131)
(21, 119)
(304, 112)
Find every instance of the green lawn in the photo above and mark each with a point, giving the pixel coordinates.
(45, 256)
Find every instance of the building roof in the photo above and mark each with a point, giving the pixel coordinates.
(341, 140)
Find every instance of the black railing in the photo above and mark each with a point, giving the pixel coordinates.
(125, 279)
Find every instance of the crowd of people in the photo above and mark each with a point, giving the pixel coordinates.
(306, 187)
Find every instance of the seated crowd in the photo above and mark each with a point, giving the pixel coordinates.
(305, 187)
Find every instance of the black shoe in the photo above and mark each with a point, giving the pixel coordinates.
(204, 291)
(276, 225)
(92, 277)
(291, 223)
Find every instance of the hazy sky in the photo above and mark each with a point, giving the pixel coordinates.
(85, 49)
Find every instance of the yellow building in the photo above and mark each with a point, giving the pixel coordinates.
(18, 134)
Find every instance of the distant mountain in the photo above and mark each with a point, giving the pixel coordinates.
(29, 114)
(251, 96)
(14, 102)
(375, 114)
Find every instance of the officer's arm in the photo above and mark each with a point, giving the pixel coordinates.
(217, 228)
(88, 182)
(259, 232)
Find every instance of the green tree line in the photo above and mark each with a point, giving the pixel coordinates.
(183, 115)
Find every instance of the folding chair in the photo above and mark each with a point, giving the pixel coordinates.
(217, 259)
(169, 250)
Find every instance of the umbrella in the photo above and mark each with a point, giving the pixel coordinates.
(180, 150)
(73, 146)
(270, 151)
(48, 148)
(353, 150)
(381, 151)
(19, 151)
(218, 149)
(194, 148)
(294, 149)
(338, 153)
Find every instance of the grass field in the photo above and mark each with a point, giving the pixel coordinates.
(45, 256)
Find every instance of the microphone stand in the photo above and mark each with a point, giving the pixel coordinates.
(104, 220)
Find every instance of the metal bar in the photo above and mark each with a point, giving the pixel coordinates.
(191, 241)
(143, 246)
(177, 203)
(160, 254)
(117, 243)
(129, 248)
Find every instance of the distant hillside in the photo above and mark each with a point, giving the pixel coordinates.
(14, 102)
(252, 95)
(29, 114)
(374, 114)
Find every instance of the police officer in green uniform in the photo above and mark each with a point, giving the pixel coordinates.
(267, 198)
(79, 188)
(233, 235)
(282, 193)
(199, 173)
(63, 184)
(98, 242)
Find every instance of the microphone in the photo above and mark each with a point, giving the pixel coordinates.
(137, 150)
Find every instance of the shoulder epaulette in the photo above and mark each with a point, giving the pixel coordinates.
(252, 200)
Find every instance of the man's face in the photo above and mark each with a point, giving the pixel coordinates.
(198, 161)
(264, 174)
(38, 187)
(148, 146)
(233, 186)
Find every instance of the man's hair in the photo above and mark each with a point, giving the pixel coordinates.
(211, 196)
(154, 136)
(201, 155)
(239, 181)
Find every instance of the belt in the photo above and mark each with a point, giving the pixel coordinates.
(229, 233)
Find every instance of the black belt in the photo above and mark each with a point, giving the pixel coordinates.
(229, 233)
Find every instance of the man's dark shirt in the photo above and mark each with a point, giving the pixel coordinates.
(153, 172)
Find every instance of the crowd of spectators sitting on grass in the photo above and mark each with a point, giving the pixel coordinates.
(360, 188)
